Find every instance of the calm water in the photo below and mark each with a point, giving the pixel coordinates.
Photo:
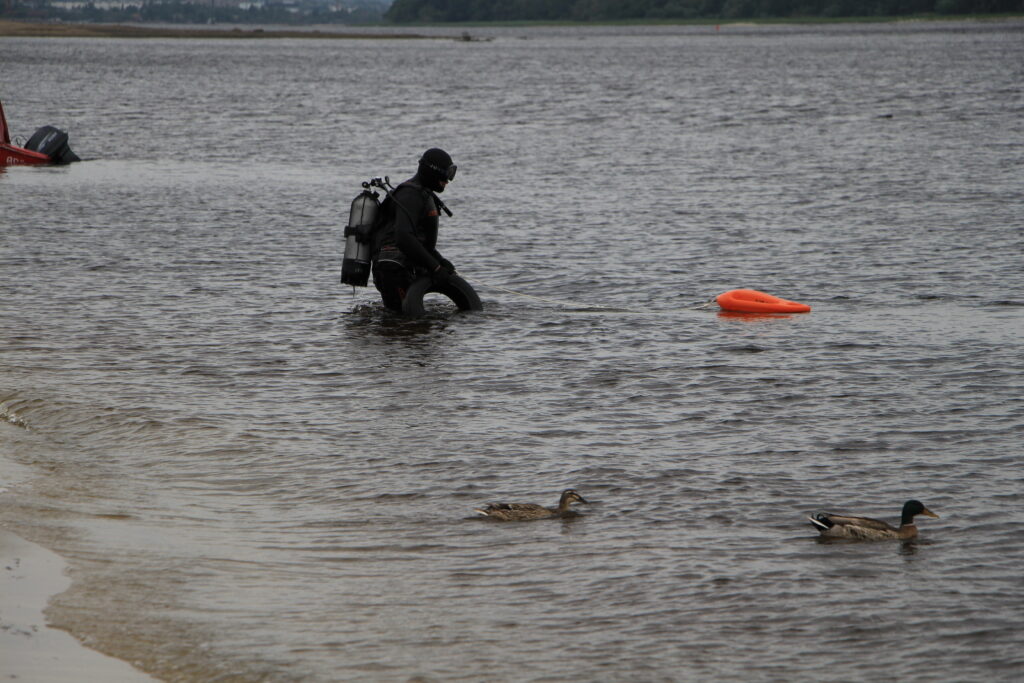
(258, 475)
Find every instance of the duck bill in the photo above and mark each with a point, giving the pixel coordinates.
(584, 500)
(928, 513)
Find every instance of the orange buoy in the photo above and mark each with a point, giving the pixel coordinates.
(753, 301)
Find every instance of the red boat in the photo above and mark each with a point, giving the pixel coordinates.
(48, 145)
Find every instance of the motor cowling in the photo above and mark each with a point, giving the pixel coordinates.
(52, 142)
(362, 220)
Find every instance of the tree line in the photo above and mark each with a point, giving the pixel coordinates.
(454, 11)
(185, 12)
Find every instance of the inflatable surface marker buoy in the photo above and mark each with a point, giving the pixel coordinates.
(753, 301)
(456, 289)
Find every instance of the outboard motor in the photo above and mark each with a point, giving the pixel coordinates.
(362, 219)
(52, 142)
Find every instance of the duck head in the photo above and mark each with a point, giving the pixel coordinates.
(913, 508)
(571, 496)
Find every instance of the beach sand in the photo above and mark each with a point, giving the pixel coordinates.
(29, 650)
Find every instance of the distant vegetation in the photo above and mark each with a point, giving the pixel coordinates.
(445, 11)
(355, 12)
(209, 12)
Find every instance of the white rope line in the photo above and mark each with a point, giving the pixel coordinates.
(573, 305)
(566, 304)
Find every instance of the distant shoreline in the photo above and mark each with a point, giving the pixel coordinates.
(9, 28)
(61, 30)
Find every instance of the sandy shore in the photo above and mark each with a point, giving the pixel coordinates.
(31, 651)
(57, 30)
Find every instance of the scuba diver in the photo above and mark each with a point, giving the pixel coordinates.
(406, 245)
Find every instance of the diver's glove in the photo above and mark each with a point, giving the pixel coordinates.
(447, 265)
(440, 276)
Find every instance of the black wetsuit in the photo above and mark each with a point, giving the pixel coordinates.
(407, 244)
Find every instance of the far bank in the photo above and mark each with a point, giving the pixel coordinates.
(406, 31)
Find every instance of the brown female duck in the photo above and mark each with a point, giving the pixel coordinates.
(867, 529)
(526, 511)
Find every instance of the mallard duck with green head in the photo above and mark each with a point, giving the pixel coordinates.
(867, 529)
(512, 512)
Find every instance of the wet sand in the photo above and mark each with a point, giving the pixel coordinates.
(58, 30)
(31, 651)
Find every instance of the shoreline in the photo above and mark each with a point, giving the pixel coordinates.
(19, 29)
(30, 649)
(30, 576)
(37, 29)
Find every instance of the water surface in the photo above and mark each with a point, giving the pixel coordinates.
(257, 474)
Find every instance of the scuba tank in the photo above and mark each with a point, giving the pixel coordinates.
(362, 219)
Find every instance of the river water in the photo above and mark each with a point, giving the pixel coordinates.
(257, 474)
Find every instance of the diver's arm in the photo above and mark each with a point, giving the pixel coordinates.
(442, 261)
(405, 237)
